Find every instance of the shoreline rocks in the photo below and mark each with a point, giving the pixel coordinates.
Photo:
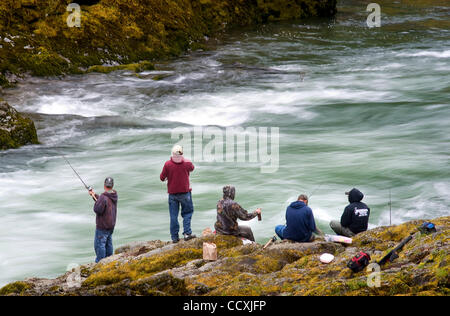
(285, 268)
(15, 129)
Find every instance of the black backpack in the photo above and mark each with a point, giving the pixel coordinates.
(359, 262)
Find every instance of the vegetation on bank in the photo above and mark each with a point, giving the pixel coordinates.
(36, 39)
(285, 268)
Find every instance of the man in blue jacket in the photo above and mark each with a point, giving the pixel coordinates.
(355, 218)
(300, 223)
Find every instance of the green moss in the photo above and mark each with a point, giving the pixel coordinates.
(24, 132)
(266, 264)
(55, 288)
(17, 288)
(44, 63)
(355, 285)
(163, 284)
(239, 251)
(242, 285)
(6, 142)
(15, 129)
(303, 262)
(135, 270)
(442, 275)
(222, 241)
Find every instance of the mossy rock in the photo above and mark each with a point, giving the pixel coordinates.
(16, 288)
(161, 284)
(15, 129)
(139, 269)
(44, 63)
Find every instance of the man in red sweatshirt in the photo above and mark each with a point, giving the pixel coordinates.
(176, 171)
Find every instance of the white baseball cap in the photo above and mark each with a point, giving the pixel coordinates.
(177, 149)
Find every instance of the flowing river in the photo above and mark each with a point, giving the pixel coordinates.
(355, 107)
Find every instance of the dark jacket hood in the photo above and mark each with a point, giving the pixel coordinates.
(112, 196)
(297, 204)
(229, 192)
(355, 196)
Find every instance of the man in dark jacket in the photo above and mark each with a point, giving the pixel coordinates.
(105, 209)
(355, 218)
(176, 171)
(229, 211)
(300, 223)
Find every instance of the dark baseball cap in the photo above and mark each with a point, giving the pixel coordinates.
(109, 182)
(348, 192)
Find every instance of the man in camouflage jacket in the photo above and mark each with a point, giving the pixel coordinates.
(228, 212)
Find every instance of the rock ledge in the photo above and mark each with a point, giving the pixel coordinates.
(161, 268)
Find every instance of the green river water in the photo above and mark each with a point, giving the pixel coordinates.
(355, 107)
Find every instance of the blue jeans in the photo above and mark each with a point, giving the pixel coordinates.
(103, 244)
(187, 209)
(280, 230)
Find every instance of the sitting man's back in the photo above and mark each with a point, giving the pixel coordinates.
(300, 223)
(355, 218)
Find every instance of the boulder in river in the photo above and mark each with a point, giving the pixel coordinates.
(16, 130)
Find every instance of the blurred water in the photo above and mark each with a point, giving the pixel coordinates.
(356, 107)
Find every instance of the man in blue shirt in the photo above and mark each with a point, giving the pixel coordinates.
(300, 224)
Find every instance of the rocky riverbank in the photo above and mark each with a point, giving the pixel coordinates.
(15, 129)
(35, 37)
(284, 268)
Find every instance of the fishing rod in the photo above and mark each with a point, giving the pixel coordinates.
(393, 254)
(316, 189)
(89, 188)
(390, 208)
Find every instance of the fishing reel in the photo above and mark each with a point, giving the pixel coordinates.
(91, 191)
